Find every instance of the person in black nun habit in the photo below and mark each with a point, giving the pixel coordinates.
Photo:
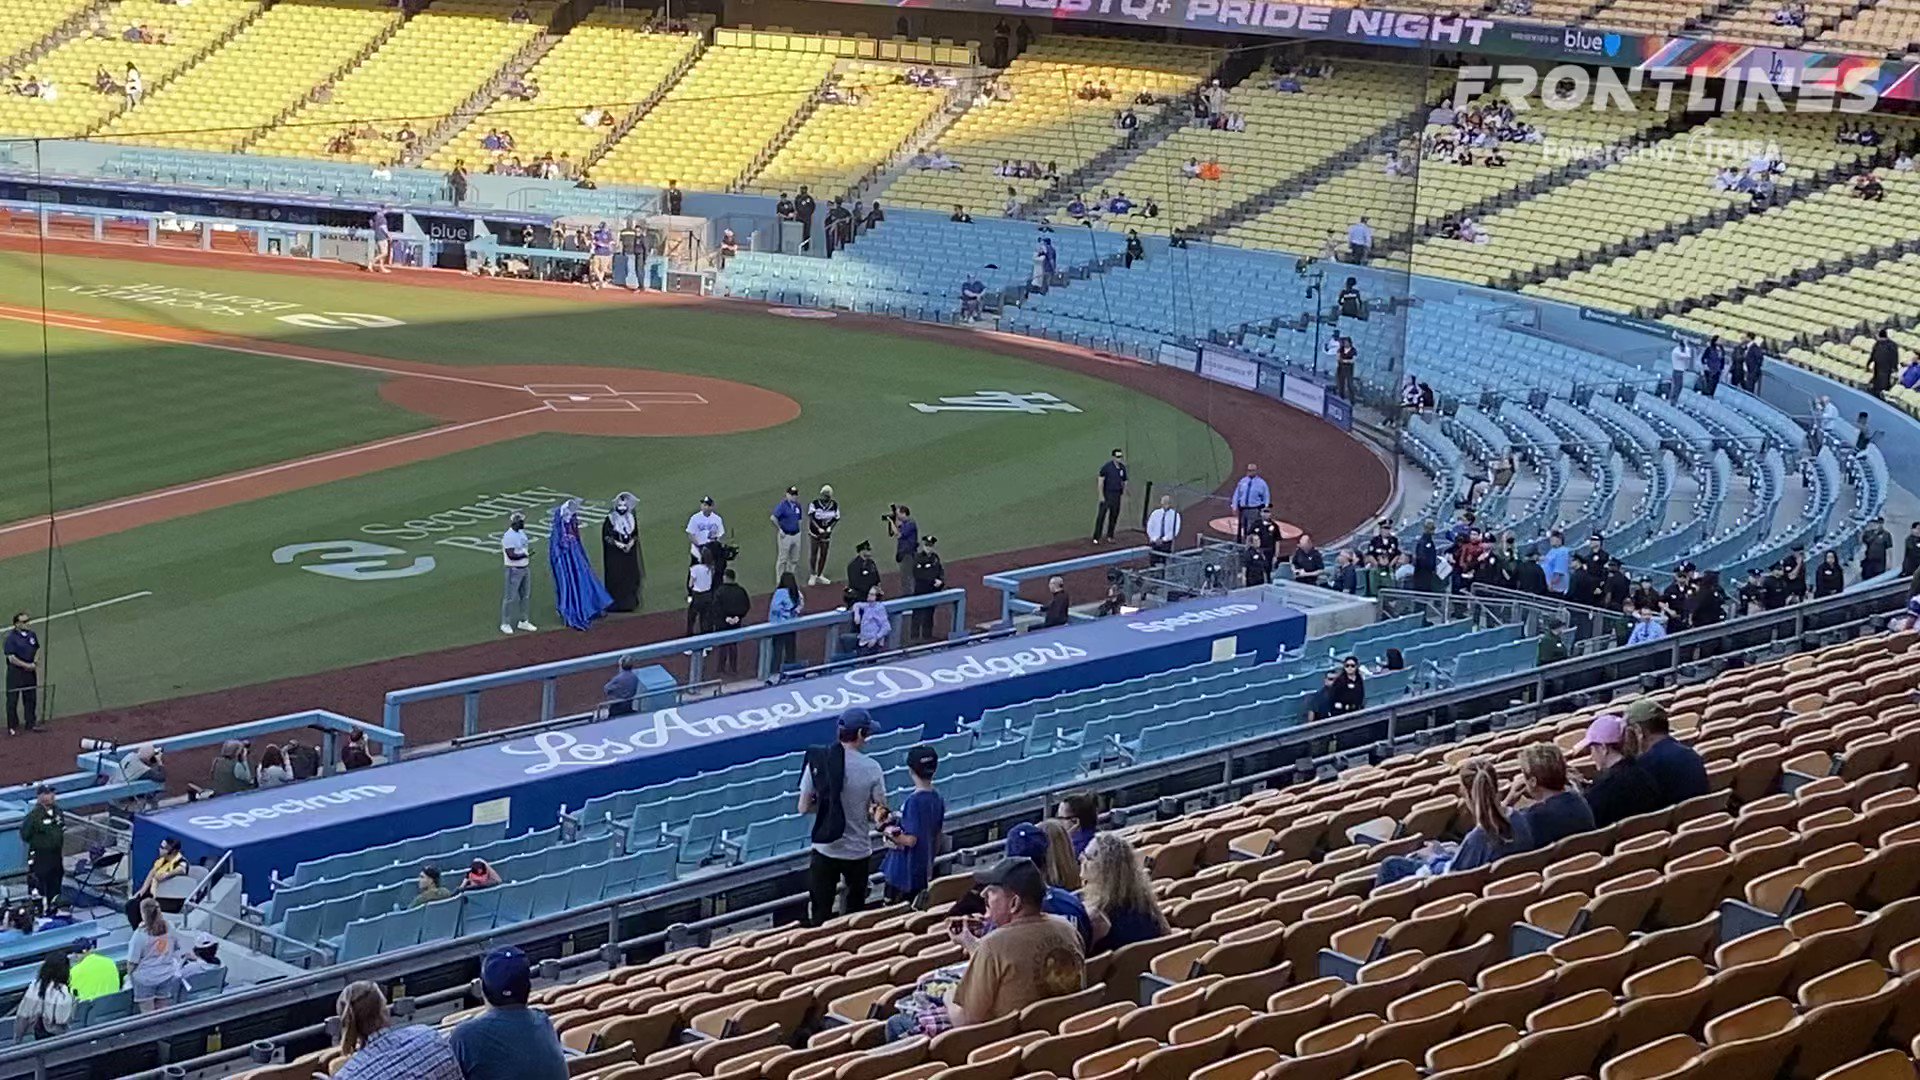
(620, 553)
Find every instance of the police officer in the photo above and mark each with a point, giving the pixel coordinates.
(862, 573)
(1113, 485)
(1264, 533)
(22, 650)
(929, 576)
(44, 834)
(1258, 562)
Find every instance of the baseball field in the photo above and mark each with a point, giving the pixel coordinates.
(253, 475)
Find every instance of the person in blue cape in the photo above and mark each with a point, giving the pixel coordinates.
(578, 594)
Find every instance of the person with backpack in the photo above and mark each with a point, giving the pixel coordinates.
(46, 1009)
(846, 791)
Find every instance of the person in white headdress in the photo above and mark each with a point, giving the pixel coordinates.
(620, 553)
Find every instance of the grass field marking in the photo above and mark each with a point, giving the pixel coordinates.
(96, 606)
(35, 315)
(265, 470)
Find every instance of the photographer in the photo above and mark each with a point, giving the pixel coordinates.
(231, 772)
(906, 543)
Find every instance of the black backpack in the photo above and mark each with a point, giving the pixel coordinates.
(828, 767)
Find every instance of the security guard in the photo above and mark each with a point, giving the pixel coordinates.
(929, 576)
(43, 832)
(862, 573)
(1264, 533)
(1258, 563)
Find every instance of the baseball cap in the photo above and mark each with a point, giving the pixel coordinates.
(1019, 876)
(43, 789)
(791, 490)
(205, 941)
(922, 759)
(706, 500)
(505, 977)
(1645, 709)
(1607, 729)
(856, 720)
(1026, 841)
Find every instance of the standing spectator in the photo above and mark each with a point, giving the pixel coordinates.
(1082, 815)
(169, 863)
(846, 792)
(379, 1049)
(22, 650)
(134, 86)
(1622, 789)
(621, 690)
(1028, 957)
(1345, 355)
(1308, 563)
(1360, 241)
(731, 605)
(1881, 364)
(600, 262)
(46, 1009)
(355, 755)
(914, 840)
(1163, 530)
(1558, 564)
(430, 888)
(1057, 609)
(1875, 542)
(673, 197)
(929, 576)
(1113, 486)
(1831, 577)
(231, 771)
(785, 605)
(1250, 495)
(1426, 559)
(153, 959)
(1119, 897)
(1744, 362)
(704, 527)
(457, 182)
(1713, 361)
(516, 597)
(906, 544)
(633, 244)
(873, 623)
(510, 1041)
(822, 516)
(1349, 690)
(273, 767)
(803, 207)
(1794, 569)
(863, 573)
(786, 533)
(1681, 357)
(43, 831)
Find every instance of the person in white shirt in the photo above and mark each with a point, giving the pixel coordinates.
(518, 595)
(132, 84)
(1163, 528)
(704, 528)
(1682, 356)
(1360, 240)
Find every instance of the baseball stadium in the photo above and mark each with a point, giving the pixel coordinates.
(960, 540)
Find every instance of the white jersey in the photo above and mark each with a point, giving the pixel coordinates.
(512, 541)
(704, 528)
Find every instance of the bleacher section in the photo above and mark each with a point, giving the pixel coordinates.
(77, 108)
(610, 60)
(1046, 120)
(840, 144)
(427, 69)
(1769, 925)
(268, 69)
(24, 23)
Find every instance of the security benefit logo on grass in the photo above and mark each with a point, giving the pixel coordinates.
(364, 560)
(235, 306)
(1032, 402)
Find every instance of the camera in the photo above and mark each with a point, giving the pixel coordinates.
(893, 511)
(105, 746)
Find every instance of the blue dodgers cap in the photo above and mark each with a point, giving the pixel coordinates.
(856, 720)
(506, 978)
(1026, 841)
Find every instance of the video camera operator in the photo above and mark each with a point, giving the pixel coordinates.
(231, 770)
(906, 542)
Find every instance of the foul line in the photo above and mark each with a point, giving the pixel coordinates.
(264, 470)
(98, 606)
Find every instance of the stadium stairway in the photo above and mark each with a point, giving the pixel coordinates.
(29, 29)
(487, 94)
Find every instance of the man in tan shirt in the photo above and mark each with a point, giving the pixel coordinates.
(1030, 956)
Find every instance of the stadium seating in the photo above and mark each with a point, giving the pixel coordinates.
(1770, 924)
(717, 121)
(77, 108)
(841, 145)
(1046, 120)
(23, 23)
(609, 59)
(266, 70)
(428, 68)
(1891, 27)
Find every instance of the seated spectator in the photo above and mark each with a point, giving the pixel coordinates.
(1648, 625)
(430, 888)
(354, 755)
(1077, 207)
(1495, 159)
(1082, 817)
(591, 116)
(46, 1009)
(492, 141)
(1029, 957)
(1868, 186)
(1497, 832)
(1676, 769)
(231, 772)
(961, 216)
(1118, 894)
(480, 875)
(1551, 812)
(1120, 204)
(510, 1040)
(1288, 84)
(204, 957)
(1030, 842)
(1621, 789)
(936, 161)
(870, 617)
(379, 1049)
(1053, 171)
(1191, 170)
(1149, 209)
(19, 923)
(1062, 868)
(520, 14)
(1209, 170)
(1903, 163)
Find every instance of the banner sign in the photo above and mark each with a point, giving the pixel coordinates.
(1179, 356)
(1303, 393)
(1337, 411)
(1230, 367)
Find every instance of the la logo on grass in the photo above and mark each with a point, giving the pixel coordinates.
(353, 560)
(1031, 402)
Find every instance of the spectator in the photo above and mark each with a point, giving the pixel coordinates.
(510, 1041)
(1881, 364)
(43, 831)
(1831, 577)
(480, 875)
(46, 1009)
(1360, 240)
(145, 763)
(19, 923)
(1030, 842)
(1496, 832)
(1426, 559)
(94, 975)
(1136, 251)
(1677, 771)
(1621, 789)
(1119, 896)
(1308, 563)
(1875, 542)
(1648, 626)
(1082, 815)
(430, 888)
(972, 291)
(273, 767)
(873, 623)
(622, 690)
(1062, 868)
(787, 604)
(846, 792)
(1349, 692)
(731, 605)
(960, 215)
(1028, 958)
(379, 1049)
(1320, 702)
(1552, 813)
(133, 85)
(355, 755)
(914, 840)
(204, 957)
(169, 863)
(153, 959)
(303, 759)
(1681, 359)
(1056, 611)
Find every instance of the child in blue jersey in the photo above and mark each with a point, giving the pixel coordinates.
(914, 839)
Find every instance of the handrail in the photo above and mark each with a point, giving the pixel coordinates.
(1009, 581)
(1625, 666)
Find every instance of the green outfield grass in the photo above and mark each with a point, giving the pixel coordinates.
(130, 416)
